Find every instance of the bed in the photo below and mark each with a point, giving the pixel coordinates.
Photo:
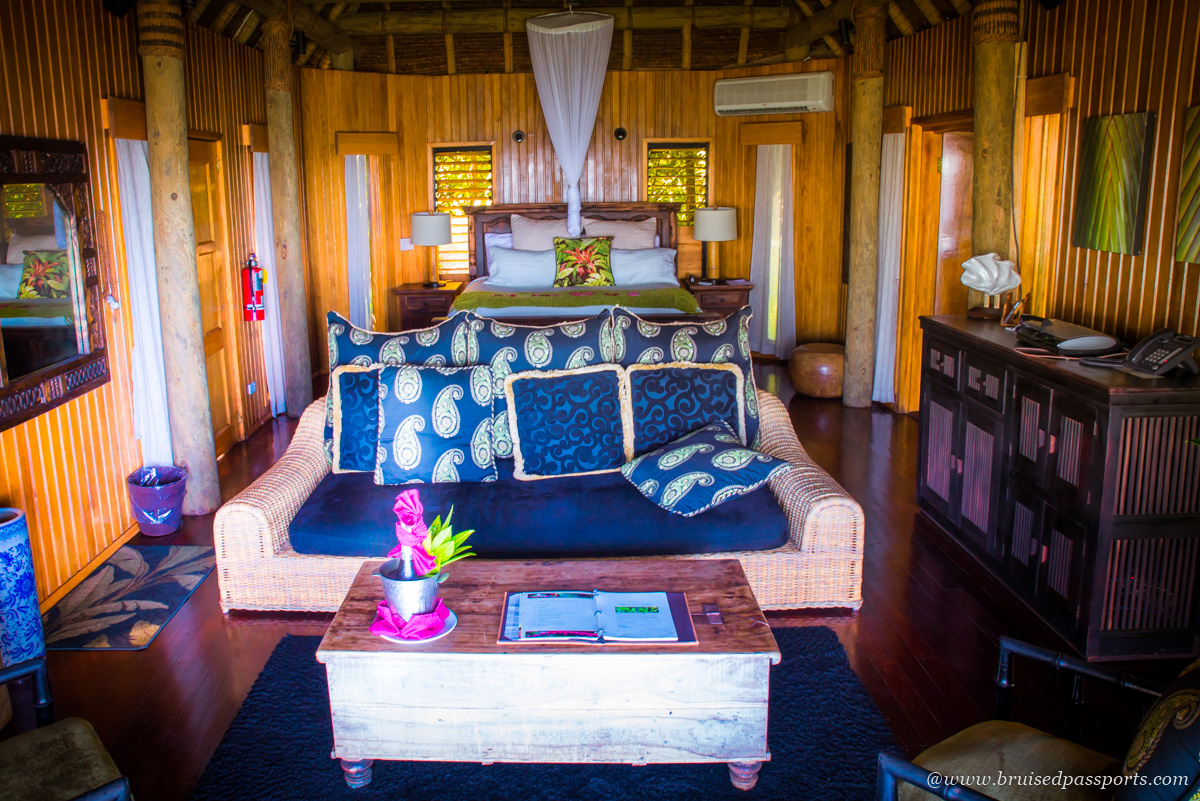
(662, 300)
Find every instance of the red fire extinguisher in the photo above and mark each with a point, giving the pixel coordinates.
(252, 290)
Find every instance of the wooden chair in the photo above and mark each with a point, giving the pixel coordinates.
(62, 761)
(1000, 745)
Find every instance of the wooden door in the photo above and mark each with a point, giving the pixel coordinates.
(954, 222)
(982, 464)
(1023, 518)
(940, 467)
(216, 300)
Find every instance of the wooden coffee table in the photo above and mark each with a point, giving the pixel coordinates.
(466, 698)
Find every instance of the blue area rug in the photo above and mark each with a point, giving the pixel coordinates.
(127, 601)
(824, 735)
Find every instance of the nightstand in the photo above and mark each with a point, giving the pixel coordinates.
(719, 298)
(414, 306)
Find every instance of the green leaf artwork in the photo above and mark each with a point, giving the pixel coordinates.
(1114, 173)
(583, 262)
(1187, 227)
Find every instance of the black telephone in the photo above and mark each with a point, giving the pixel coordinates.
(1156, 355)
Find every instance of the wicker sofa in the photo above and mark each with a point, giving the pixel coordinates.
(257, 568)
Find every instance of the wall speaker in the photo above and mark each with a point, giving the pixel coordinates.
(620, 134)
(518, 136)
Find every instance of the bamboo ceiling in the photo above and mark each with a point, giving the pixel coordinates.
(482, 36)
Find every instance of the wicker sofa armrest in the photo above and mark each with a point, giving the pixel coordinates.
(821, 514)
(254, 524)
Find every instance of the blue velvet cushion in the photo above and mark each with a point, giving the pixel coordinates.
(701, 470)
(510, 348)
(449, 342)
(568, 422)
(674, 399)
(637, 341)
(1167, 744)
(557, 518)
(435, 425)
(355, 392)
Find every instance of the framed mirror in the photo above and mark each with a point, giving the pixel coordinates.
(51, 330)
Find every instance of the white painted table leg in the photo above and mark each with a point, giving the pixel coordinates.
(744, 775)
(358, 772)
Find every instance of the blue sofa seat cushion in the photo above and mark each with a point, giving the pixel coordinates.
(573, 516)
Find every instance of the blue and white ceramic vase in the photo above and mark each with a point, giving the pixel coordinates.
(20, 621)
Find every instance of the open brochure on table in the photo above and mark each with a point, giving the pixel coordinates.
(596, 617)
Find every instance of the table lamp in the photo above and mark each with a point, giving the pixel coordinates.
(430, 229)
(713, 224)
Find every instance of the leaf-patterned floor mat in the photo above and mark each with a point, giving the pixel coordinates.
(128, 600)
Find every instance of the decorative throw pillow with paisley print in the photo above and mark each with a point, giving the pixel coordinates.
(510, 348)
(568, 422)
(435, 425)
(633, 340)
(583, 262)
(670, 400)
(1167, 744)
(701, 470)
(449, 343)
(355, 393)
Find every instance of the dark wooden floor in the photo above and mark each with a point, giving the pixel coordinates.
(924, 643)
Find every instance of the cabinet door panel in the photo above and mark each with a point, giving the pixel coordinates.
(1060, 574)
(1022, 535)
(939, 452)
(982, 465)
(1070, 452)
(1031, 417)
(941, 363)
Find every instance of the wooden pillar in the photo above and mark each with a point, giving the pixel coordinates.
(285, 203)
(866, 133)
(160, 44)
(996, 32)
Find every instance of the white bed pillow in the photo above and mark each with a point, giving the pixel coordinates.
(528, 234)
(522, 268)
(643, 266)
(626, 234)
(17, 245)
(496, 240)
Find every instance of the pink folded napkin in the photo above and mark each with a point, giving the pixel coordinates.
(418, 627)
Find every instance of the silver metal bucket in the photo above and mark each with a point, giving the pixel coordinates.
(408, 597)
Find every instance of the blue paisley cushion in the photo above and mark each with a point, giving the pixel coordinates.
(508, 349)
(355, 393)
(568, 422)
(450, 342)
(1167, 744)
(701, 470)
(727, 341)
(673, 399)
(435, 425)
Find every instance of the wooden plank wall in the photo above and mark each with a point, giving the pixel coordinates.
(658, 106)
(1126, 56)
(67, 468)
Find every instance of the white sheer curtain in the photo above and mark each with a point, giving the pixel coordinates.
(150, 416)
(264, 243)
(570, 56)
(773, 329)
(358, 241)
(887, 301)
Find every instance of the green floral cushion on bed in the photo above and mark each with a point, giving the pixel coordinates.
(46, 275)
(583, 262)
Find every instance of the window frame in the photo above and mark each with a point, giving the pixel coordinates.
(665, 142)
(432, 150)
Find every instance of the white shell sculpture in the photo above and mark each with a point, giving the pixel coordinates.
(990, 274)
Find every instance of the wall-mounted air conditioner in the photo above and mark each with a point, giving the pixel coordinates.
(774, 94)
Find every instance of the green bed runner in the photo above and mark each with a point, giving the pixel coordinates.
(674, 298)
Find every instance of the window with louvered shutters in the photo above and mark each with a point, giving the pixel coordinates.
(462, 178)
(678, 173)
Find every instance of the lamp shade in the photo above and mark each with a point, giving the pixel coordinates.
(715, 224)
(430, 228)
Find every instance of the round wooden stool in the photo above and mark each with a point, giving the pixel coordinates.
(816, 369)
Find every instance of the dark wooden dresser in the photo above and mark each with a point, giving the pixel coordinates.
(1077, 486)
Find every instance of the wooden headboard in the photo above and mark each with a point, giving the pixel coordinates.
(495, 220)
